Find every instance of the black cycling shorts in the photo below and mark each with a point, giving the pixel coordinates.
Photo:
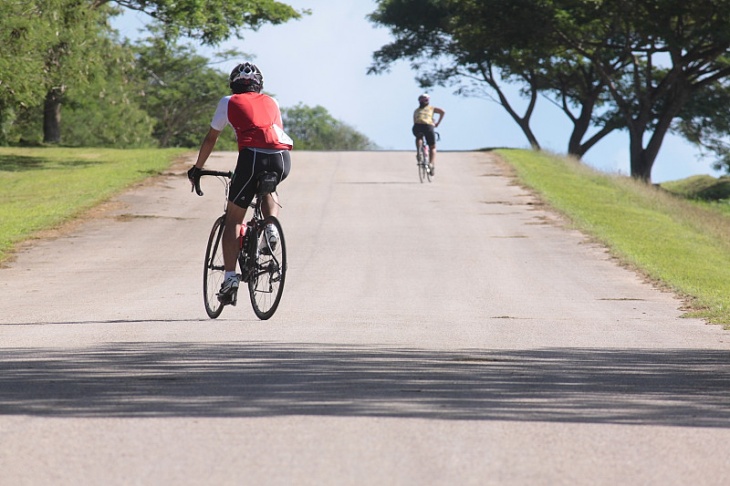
(251, 163)
(421, 129)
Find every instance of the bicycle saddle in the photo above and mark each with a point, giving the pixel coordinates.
(268, 182)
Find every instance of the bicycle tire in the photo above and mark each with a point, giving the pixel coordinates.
(421, 171)
(268, 271)
(426, 162)
(213, 270)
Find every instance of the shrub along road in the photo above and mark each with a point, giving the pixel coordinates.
(443, 333)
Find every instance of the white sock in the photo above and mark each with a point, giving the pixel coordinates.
(230, 274)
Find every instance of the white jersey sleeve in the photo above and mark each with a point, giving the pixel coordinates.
(220, 118)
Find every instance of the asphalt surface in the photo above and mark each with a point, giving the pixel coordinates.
(455, 332)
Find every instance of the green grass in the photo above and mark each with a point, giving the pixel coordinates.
(683, 245)
(703, 190)
(45, 187)
(678, 235)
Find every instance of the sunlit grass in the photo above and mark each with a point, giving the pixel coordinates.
(44, 187)
(683, 245)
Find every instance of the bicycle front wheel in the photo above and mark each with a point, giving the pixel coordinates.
(426, 162)
(268, 272)
(214, 272)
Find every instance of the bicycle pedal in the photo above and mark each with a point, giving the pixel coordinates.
(228, 299)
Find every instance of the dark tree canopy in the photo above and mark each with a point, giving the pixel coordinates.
(624, 64)
(52, 49)
(211, 21)
(316, 129)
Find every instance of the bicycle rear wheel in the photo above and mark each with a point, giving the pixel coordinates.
(266, 278)
(213, 272)
(421, 171)
(426, 162)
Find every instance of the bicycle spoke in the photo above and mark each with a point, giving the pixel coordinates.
(267, 283)
(213, 271)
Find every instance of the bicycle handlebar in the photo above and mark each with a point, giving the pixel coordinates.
(217, 173)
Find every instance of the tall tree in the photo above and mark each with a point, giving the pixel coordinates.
(705, 121)
(72, 58)
(314, 128)
(478, 47)
(180, 90)
(667, 49)
(26, 32)
(211, 22)
(107, 111)
(646, 58)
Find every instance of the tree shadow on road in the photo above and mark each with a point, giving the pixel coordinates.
(667, 387)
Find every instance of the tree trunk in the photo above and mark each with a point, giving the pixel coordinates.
(525, 126)
(643, 157)
(576, 146)
(52, 116)
(641, 165)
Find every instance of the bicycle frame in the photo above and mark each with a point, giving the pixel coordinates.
(261, 261)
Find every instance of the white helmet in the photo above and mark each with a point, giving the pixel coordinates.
(246, 77)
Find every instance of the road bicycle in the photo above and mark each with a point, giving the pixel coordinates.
(422, 155)
(261, 261)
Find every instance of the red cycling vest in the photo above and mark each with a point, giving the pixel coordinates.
(256, 119)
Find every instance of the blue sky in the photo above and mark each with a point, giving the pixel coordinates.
(322, 59)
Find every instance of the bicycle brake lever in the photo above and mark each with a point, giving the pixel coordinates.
(196, 188)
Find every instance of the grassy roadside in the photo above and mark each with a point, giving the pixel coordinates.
(683, 245)
(45, 187)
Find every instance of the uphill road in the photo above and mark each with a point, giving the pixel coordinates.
(455, 332)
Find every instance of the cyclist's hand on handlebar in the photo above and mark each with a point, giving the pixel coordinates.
(194, 178)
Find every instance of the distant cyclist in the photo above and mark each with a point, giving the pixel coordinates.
(423, 126)
(263, 147)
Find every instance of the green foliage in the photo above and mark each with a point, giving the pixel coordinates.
(27, 31)
(315, 129)
(56, 52)
(101, 112)
(106, 112)
(704, 187)
(658, 53)
(624, 64)
(43, 187)
(180, 91)
(477, 47)
(73, 51)
(108, 120)
(75, 56)
(212, 21)
(683, 245)
(705, 121)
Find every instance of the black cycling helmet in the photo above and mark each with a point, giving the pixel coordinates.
(246, 77)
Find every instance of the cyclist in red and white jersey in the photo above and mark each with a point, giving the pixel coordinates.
(263, 147)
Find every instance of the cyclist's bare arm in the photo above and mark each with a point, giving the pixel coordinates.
(207, 147)
(440, 113)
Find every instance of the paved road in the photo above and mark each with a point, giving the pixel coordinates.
(444, 333)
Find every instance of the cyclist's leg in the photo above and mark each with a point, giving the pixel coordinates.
(279, 163)
(431, 139)
(240, 195)
(419, 140)
(230, 246)
(231, 230)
